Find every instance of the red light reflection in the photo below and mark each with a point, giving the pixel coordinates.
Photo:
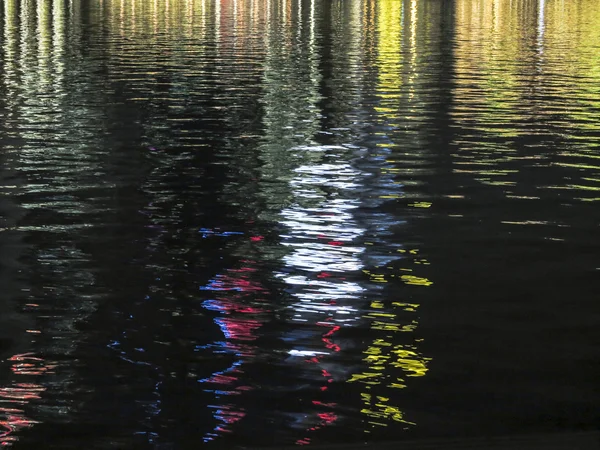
(13, 418)
(236, 296)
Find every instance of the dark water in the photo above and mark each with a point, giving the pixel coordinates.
(298, 221)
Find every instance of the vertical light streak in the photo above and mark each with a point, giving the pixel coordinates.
(541, 26)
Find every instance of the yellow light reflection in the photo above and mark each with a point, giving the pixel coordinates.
(517, 82)
(390, 363)
(389, 54)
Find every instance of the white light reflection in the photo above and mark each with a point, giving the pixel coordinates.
(305, 353)
(541, 26)
(324, 258)
(310, 190)
(322, 230)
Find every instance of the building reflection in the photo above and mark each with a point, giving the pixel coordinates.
(47, 173)
(394, 159)
(316, 244)
(238, 296)
(324, 242)
(323, 183)
(205, 299)
(256, 172)
(519, 114)
(335, 225)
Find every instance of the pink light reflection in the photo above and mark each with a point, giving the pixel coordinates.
(13, 418)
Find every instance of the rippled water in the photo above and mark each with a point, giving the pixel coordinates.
(298, 221)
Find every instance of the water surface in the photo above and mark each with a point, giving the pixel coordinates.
(230, 222)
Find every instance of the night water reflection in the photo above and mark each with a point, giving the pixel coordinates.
(296, 222)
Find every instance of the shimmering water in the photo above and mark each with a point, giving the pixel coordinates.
(259, 222)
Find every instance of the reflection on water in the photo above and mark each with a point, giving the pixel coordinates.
(535, 109)
(325, 250)
(297, 221)
(392, 356)
(15, 396)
